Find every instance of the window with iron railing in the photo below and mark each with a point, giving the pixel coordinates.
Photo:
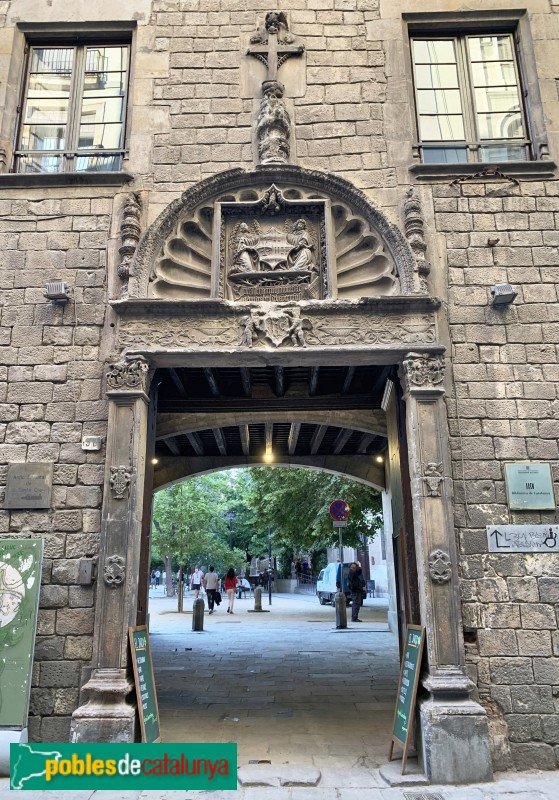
(74, 109)
(469, 99)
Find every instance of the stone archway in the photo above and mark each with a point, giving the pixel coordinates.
(278, 321)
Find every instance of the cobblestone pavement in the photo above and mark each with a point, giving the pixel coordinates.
(293, 691)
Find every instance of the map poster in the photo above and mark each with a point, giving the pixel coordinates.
(20, 582)
(145, 683)
(407, 690)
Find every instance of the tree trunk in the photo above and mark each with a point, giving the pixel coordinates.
(169, 575)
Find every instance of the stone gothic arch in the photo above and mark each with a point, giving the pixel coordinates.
(185, 253)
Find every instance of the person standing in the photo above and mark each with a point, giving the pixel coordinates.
(211, 583)
(230, 584)
(196, 581)
(157, 576)
(356, 584)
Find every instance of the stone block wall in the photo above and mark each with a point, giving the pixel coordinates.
(52, 394)
(192, 115)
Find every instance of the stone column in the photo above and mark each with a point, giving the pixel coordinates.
(453, 736)
(107, 716)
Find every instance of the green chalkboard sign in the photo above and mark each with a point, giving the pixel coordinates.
(407, 690)
(20, 583)
(145, 683)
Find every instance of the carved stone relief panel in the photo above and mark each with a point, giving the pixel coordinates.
(273, 249)
(278, 242)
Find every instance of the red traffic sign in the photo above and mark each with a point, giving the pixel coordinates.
(339, 510)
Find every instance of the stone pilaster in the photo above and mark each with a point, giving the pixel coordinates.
(107, 716)
(449, 718)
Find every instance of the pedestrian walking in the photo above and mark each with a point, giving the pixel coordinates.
(157, 576)
(211, 584)
(152, 579)
(230, 584)
(196, 581)
(356, 585)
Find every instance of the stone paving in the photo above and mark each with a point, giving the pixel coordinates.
(291, 690)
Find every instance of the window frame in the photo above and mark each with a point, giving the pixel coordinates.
(473, 143)
(515, 21)
(59, 34)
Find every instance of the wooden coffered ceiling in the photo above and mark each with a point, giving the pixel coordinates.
(290, 411)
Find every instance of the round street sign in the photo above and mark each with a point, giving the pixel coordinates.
(339, 510)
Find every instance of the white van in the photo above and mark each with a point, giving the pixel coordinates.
(326, 588)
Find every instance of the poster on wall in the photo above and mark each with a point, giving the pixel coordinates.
(20, 583)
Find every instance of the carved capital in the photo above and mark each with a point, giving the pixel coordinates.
(128, 375)
(424, 372)
(120, 480)
(440, 566)
(114, 571)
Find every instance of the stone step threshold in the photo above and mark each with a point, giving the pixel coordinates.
(265, 774)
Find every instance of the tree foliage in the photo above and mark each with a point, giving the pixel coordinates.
(192, 522)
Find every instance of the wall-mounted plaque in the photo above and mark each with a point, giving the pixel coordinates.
(20, 582)
(529, 486)
(523, 538)
(28, 485)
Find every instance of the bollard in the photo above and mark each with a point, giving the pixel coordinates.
(341, 610)
(258, 598)
(198, 614)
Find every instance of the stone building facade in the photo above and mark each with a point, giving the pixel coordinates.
(194, 103)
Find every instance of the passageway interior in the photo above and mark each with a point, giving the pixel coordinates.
(286, 685)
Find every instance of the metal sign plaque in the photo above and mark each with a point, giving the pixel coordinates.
(523, 538)
(28, 485)
(529, 486)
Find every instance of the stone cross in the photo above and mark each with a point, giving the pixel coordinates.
(273, 45)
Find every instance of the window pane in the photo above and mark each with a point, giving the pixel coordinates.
(436, 76)
(442, 127)
(502, 98)
(48, 85)
(46, 111)
(445, 155)
(491, 48)
(104, 136)
(98, 163)
(106, 59)
(112, 83)
(494, 73)
(99, 109)
(43, 137)
(503, 152)
(436, 101)
(436, 51)
(500, 126)
(52, 59)
(34, 163)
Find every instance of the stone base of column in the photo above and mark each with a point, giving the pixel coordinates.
(106, 717)
(453, 740)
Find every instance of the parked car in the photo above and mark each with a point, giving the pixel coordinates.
(326, 588)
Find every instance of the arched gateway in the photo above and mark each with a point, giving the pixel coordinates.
(295, 272)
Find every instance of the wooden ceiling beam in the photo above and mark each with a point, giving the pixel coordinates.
(195, 443)
(313, 380)
(246, 381)
(365, 441)
(210, 377)
(348, 378)
(317, 438)
(269, 432)
(279, 377)
(341, 440)
(220, 441)
(175, 377)
(245, 439)
(173, 446)
(293, 437)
